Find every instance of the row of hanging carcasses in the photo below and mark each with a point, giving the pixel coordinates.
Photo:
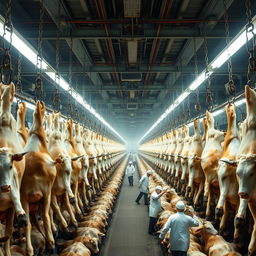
(215, 171)
(50, 168)
(204, 240)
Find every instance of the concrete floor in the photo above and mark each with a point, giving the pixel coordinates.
(127, 235)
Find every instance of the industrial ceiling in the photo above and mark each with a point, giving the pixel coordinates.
(132, 58)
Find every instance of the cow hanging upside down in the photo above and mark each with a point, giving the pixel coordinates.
(84, 185)
(12, 165)
(229, 199)
(90, 151)
(21, 128)
(211, 154)
(67, 130)
(196, 175)
(246, 169)
(62, 183)
(39, 176)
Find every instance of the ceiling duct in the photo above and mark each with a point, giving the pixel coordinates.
(132, 51)
(131, 77)
(132, 106)
(132, 94)
(132, 8)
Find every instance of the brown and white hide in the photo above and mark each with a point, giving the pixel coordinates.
(246, 169)
(211, 154)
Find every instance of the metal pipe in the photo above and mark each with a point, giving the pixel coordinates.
(156, 44)
(101, 13)
(140, 21)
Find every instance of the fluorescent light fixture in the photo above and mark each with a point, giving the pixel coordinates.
(240, 102)
(218, 112)
(222, 110)
(231, 49)
(182, 97)
(199, 80)
(21, 45)
(29, 52)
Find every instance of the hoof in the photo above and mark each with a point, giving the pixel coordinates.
(22, 220)
(79, 217)
(189, 189)
(197, 207)
(72, 200)
(205, 199)
(239, 222)
(68, 235)
(216, 223)
(219, 212)
(237, 240)
(190, 201)
(208, 218)
(88, 187)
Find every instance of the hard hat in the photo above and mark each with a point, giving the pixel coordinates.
(180, 205)
(159, 188)
(149, 172)
(130, 162)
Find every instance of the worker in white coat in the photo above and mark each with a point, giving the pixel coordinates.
(179, 224)
(129, 173)
(154, 208)
(144, 181)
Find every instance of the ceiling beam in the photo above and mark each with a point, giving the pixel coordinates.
(118, 101)
(116, 33)
(121, 68)
(79, 49)
(211, 8)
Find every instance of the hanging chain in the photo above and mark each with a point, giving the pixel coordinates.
(197, 105)
(76, 113)
(38, 90)
(229, 86)
(209, 99)
(19, 84)
(56, 101)
(6, 65)
(188, 109)
(83, 91)
(70, 110)
(250, 46)
(183, 115)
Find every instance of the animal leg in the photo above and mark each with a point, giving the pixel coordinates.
(8, 230)
(30, 250)
(46, 219)
(69, 209)
(252, 245)
(56, 210)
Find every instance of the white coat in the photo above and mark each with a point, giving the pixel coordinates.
(155, 205)
(130, 170)
(179, 224)
(144, 180)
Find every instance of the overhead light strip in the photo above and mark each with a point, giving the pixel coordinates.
(221, 110)
(234, 46)
(30, 53)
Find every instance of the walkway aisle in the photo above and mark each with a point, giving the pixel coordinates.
(127, 235)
